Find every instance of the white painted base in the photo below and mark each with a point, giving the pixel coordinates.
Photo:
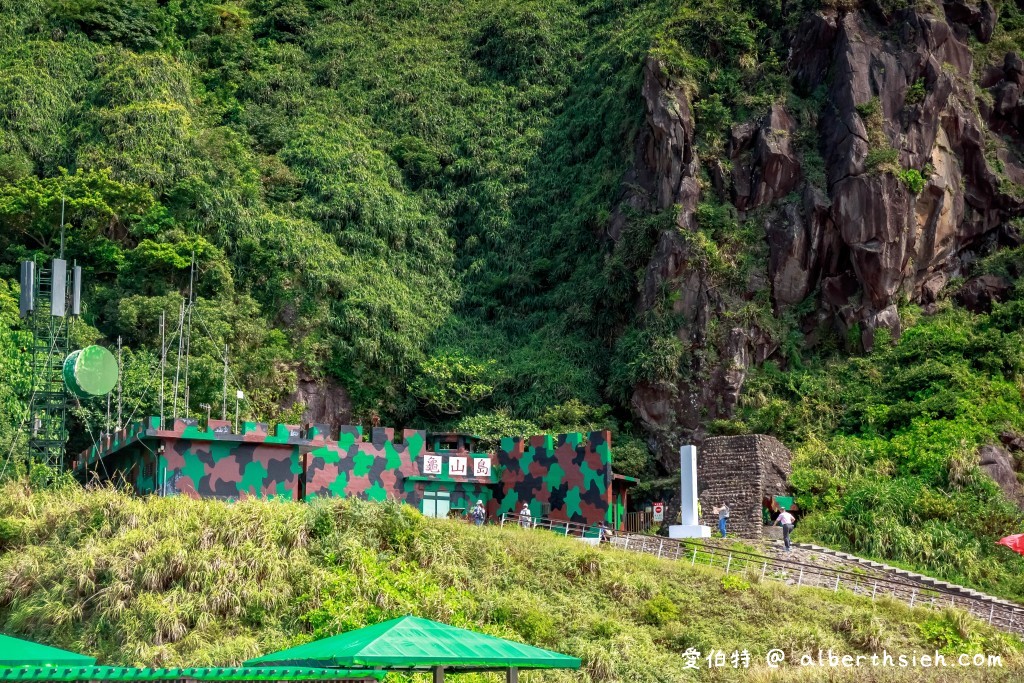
(689, 531)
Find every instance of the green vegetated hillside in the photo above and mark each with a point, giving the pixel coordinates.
(394, 195)
(410, 200)
(174, 581)
(886, 445)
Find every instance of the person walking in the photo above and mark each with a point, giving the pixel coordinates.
(479, 513)
(786, 520)
(525, 517)
(604, 533)
(723, 517)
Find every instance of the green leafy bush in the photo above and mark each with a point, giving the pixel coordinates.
(659, 610)
(916, 92)
(734, 583)
(913, 179)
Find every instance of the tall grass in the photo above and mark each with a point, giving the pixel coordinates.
(176, 582)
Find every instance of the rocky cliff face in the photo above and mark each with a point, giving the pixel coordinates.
(921, 172)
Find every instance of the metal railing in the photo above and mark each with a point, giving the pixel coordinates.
(558, 526)
(873, 583)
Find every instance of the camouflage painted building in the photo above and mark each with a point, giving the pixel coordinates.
(564, 477)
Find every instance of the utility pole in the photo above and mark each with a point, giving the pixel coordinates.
(181, 342)
(120, 372)
(188, 339)
(238, 396)
(163, 362)
(224, 407)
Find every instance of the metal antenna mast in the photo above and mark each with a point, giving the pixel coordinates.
(120, 371)
(163, 362)
(181, 343)
(188, 339)
(224, 407)
(62, 226)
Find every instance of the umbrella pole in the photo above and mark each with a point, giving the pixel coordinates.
(438, 674)
(513, 675)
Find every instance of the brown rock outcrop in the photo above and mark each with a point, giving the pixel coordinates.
(998, 464)
(979, 293)
(916, 180)
(765, 165)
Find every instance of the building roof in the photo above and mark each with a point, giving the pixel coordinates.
(411, 643)
(17, 652)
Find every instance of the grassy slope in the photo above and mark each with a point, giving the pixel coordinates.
(175, 581)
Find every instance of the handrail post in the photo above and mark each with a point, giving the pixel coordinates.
(626, 547)
(913, 594)
(503, 518)
(661, 546)
(728, 564)
(694, 560)
(764, 566)
(836, 589)
(800, 580)
(874, 588)
(992, 609)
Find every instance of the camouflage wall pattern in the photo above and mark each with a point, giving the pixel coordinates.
(568, 475)
(564, 477)
(387, 468)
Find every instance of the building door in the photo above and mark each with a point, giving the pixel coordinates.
(436, 503)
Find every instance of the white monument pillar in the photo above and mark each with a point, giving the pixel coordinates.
(691, 526)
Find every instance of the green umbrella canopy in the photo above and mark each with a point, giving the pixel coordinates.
(18, 652)
(118, 674)
(414, 643)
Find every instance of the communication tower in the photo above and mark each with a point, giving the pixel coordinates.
(49, 303)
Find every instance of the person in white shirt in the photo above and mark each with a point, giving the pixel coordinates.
(525, 517)
(723, 517)
(786, 520)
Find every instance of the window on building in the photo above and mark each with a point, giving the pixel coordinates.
(436, 503)
(545, 510)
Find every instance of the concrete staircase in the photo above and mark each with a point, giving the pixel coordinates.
(897, 574)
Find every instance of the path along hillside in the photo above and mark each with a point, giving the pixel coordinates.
(176, 582)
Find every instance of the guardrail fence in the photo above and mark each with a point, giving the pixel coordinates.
(868, 583)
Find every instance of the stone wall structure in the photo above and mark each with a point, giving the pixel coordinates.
(741, 471)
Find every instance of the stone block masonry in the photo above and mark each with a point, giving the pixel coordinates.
(741, 471)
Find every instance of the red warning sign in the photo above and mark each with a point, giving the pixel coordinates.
(659, 512)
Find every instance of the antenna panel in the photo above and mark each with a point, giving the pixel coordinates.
(76, 291)
(27, 302)
(59, 293)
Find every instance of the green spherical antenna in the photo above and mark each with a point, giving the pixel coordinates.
(91, 371)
